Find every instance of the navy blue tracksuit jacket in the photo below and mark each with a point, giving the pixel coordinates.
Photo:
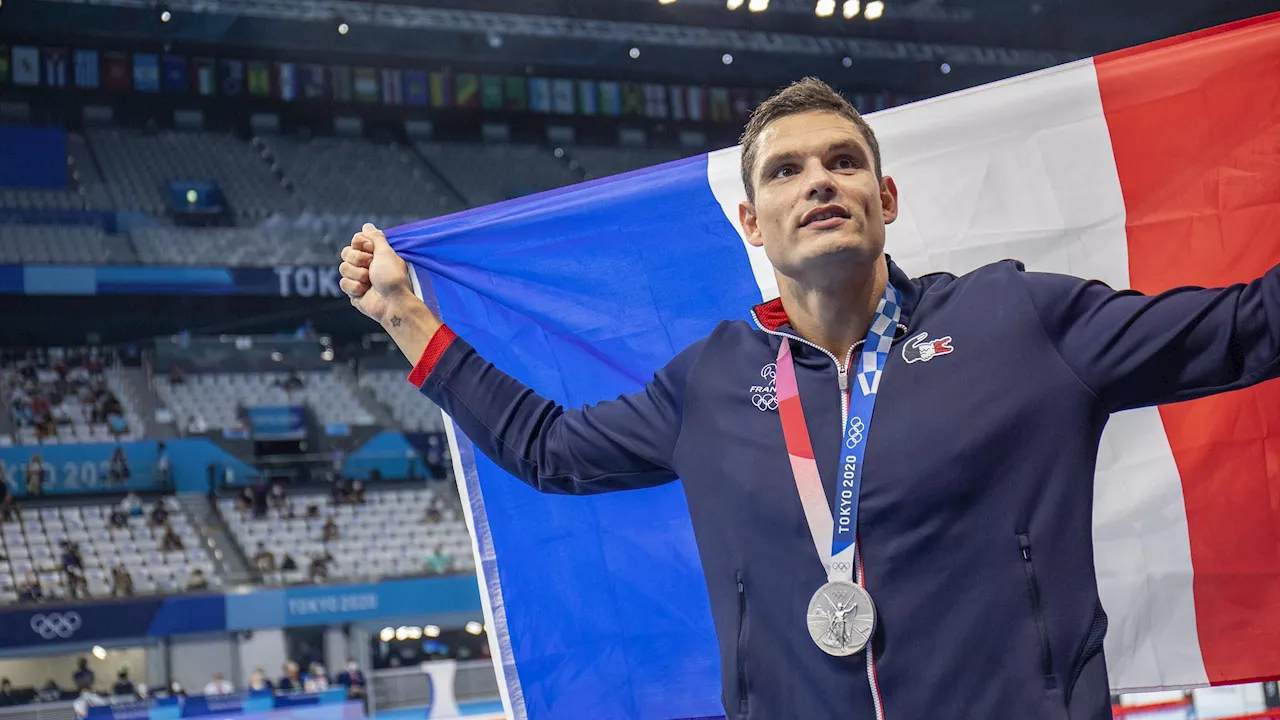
(975, 517)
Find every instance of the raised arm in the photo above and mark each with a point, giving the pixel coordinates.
(1134, 350)
(616, 445)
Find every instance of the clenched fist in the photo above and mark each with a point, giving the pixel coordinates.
(373, 276)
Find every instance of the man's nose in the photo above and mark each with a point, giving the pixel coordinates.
(821, 187)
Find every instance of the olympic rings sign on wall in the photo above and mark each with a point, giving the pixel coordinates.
(55, 624)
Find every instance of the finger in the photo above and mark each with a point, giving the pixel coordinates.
(378, 237)
(353, 288)
(362, 243)
(356, 257)
(353, 272)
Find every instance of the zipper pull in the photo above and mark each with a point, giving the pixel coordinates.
(843, 377)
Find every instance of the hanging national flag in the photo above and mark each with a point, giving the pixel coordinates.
(491, 92)
(259, 78)
(175, 74)
(206, 80)
(392, 87)
(86, 69)
(721, 107)
(632, 99)
(364, 80)
(26, 65)
(588, 97)
(313, 84)
(468, 91)
(231, 77)
(517, 94)
(562, 97)
(676, 93)
(610, 98)
(441, 89)
(146, 72)
(696, 103)
(1078, 169)
(115, 72)
(416, 90)
(655, 101)
(55, 67)
(287, 81)
(540, 95)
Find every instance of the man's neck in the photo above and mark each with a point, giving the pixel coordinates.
(835, 315)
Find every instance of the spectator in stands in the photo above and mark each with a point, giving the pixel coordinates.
(319, 569)
(258, 682)
(131, 504)
(292, 382)
(264, 560)
(197, 581)
(330, 530)
(6, 693)
(288, 563)
(49, 692)
(177, 376)
(87, 699)
(163, 469)
(9, 511)
(352, 679)
(357, 493)
(175, 689)
(338, 491)
(121, 581)
(73, 566)
(118, 469)
(123, 686)
(170, 542)
(82, 678)
(118, 518)
(30, 590)
(278, 498)
(35, 475)
(219, 686)
(159, 514)
(437, 561)
(244, 501)
(434, 516)
(318, 680)
(293, 679)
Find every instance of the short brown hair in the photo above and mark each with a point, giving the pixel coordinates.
(807, 95)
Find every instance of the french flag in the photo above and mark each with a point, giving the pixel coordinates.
(1148, 168)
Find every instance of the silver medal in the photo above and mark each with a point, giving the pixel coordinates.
(841, 618)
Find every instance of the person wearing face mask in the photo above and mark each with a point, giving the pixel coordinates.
(352, 679)
(175, 689)
(258, 682)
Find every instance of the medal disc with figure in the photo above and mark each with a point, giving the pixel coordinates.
(842, 618)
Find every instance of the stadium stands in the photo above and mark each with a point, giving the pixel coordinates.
(412, 411)
(33, 544)
(487, 173)
(600, 162)
(70, 244)
(214, 399)
(61, 395)
(395, 532)
(349, 175)
(136, 167)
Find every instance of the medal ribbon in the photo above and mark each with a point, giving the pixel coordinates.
(842, 525)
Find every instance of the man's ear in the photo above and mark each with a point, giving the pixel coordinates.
(888, 199)
(750, 224)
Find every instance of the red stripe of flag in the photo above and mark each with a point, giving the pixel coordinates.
(1195, 127)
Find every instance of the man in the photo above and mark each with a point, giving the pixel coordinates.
(955, 579)
(82, 678)
(219, 685)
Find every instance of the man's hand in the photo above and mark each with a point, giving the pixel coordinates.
(377, 281)
(373, 276)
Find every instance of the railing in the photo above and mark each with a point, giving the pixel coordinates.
(415, 686)
(61, 710)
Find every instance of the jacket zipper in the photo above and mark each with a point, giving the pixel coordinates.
(1037, 609)
(742, 665)
(842, 377)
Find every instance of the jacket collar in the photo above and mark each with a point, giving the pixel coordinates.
(772, 316)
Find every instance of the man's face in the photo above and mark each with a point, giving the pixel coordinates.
(817, 199)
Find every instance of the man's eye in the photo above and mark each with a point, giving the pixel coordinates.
(784, 171)
(846, 163)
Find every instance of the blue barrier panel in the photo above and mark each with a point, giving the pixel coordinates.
(71, 469)
(324, 604)
(52, 624)
(33, 157)
(283, 281)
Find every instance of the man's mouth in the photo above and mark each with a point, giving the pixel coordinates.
(827, 216)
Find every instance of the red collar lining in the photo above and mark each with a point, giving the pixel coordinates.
(771, 314)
